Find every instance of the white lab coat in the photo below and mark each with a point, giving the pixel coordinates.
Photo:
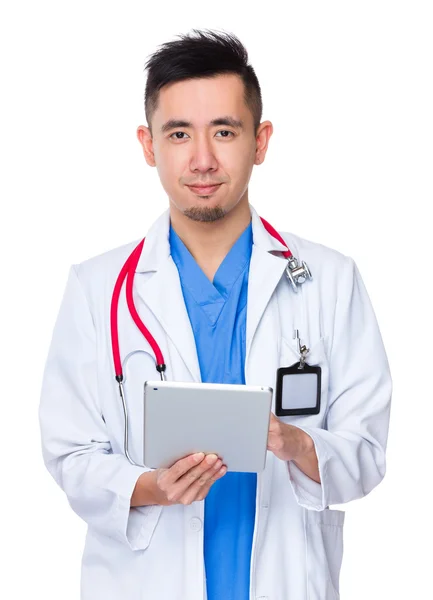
(157, 552)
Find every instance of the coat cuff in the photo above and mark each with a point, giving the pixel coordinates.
(134, 525)
(309, 493)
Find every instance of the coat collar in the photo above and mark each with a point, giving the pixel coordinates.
(156, 248)
(162, 291)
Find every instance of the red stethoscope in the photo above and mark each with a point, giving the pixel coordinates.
(295, 273)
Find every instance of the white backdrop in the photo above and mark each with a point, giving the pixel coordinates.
(348, 88)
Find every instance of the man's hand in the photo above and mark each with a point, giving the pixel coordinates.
(187, 481)
(287, 441)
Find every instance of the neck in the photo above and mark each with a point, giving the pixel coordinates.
(209, 242)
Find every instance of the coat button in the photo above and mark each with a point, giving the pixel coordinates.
(195, 524)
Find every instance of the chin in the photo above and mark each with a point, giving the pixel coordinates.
(206, 214)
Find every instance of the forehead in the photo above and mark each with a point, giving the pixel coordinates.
(202, 99)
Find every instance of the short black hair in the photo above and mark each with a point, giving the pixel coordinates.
(206, 54)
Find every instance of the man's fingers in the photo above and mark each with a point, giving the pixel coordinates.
(174, 490)
(195, 473)
(274, 423)
(201, 487)
(203, 492)
(198, 476)
(182, 466)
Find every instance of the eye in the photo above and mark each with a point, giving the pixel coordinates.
(175, 133)
(226, 131)
(181, 133)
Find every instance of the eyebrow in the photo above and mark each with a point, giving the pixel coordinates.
(230, 121)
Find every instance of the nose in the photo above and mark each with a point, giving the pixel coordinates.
(203, 155)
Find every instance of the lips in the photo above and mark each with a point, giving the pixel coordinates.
(204, 189)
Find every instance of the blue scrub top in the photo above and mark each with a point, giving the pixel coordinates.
(217, 312)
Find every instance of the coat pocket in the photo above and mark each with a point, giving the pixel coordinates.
(324, 534)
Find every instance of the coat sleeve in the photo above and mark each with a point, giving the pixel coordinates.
(75, 442)
(351, 448)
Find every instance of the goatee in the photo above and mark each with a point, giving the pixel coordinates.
(204, 213)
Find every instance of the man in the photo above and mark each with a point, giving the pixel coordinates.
(210, 287)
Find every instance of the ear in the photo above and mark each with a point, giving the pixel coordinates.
(144, 136)
(264, 133)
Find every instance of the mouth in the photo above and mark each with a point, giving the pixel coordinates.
(204, 190)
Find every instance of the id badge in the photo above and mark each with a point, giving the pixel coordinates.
(298, 390)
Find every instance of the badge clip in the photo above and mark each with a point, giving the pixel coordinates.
(302, 349)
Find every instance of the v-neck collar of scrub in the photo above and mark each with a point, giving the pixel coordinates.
(211, 296)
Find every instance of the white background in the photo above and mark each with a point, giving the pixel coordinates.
(348, 88)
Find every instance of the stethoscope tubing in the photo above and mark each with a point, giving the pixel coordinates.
(127, 273)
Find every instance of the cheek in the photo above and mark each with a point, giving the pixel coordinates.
(239, 161)
(238, 171)
(167, 164)
(171, 169)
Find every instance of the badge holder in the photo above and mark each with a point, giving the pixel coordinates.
(298, 387)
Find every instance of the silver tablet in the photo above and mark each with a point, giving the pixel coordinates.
(229, 420)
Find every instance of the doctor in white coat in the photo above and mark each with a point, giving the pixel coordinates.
(145, 527)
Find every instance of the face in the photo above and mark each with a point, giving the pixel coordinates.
(203, 135)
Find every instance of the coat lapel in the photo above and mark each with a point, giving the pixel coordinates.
(158, 285)
(161, 292)
(266, 270)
